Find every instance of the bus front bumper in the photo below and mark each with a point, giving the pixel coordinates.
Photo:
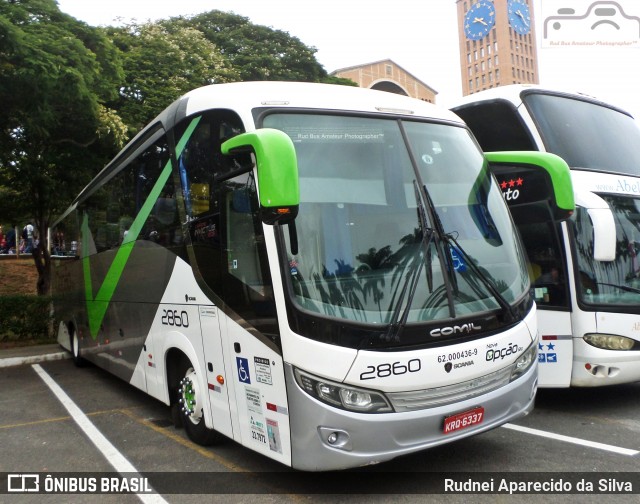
(365, 439)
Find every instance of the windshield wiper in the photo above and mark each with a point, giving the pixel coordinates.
(621, 287)
(410, 286)
(504, 304)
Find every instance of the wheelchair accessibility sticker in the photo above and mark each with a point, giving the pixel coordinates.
(591, 23)
(243, 370)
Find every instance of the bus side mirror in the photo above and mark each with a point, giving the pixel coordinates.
(277, 167)
(603, 223)
(604, 234)
(530, 178)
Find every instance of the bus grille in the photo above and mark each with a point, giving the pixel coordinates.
(441, 396)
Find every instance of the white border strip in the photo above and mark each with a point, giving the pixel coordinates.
(110, 452)
(569, 439)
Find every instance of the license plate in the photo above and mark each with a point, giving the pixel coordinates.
(463, 420)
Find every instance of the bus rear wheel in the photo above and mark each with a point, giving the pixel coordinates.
(190, 403)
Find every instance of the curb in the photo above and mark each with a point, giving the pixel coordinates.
(33, 359)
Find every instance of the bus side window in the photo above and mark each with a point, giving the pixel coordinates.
(112, 209)
(221, 207)
(201, 163)
(546, 272)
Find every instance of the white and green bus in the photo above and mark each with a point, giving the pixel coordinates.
(324, 274)
(585, 271)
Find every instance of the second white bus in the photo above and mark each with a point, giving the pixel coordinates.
(585, 271)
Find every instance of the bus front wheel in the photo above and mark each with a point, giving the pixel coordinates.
(190, 403)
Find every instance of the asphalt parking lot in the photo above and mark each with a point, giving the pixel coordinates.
(61, 420)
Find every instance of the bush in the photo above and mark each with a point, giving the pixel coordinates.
(25, 318)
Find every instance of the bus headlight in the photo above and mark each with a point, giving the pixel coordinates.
(525, 361)
(342, 396)
(609, 341)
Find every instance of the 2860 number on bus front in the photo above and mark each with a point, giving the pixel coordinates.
(463, 420)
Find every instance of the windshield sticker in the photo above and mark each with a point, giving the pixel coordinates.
(458, 262)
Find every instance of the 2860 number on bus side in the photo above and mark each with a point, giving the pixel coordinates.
(175, 318)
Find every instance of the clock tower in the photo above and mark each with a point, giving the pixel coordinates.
(497, 43)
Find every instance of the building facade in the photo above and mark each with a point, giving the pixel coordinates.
(385, 75)
(497, 43)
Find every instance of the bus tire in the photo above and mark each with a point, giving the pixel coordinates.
(189, 406)
(74, 344)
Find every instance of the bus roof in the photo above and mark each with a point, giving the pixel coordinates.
(243, 97)
(513, 93)
(249, 95)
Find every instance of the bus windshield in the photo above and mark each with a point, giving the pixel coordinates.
(586, 135)
(364, 253)
(610, 282)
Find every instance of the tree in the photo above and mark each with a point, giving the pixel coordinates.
(56, 76)
(162, 61)
(257, 52)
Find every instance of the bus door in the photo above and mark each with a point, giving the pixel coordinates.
(217, 380)
(254, 366)
(555, 348)
(260, 408)
(541, 235)
(232, 256)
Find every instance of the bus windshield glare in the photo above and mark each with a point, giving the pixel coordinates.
(586, 135)
(364, 254)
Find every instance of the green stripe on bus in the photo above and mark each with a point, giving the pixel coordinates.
(97, 306)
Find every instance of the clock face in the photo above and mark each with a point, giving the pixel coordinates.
(519, 16)
(479, 20)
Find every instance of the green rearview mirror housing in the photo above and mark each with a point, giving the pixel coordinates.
(277, 166)
(549, 176)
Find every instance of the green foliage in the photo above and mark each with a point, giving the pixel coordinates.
(341, 81)
(257, 52)
(161, 63)
(72, 94)
(56, 75)
(25, 318)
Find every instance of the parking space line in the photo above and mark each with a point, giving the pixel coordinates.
(110, 452)
(573, 440)
(185, 442)
(58, 419)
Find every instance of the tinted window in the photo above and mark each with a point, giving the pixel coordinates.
(585, 134)
(496, 125)
(146, 182)
(221, 204)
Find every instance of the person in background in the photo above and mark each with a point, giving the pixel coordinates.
(27, 234)
(10, 240)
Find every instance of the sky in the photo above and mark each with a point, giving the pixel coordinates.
(419, 35)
